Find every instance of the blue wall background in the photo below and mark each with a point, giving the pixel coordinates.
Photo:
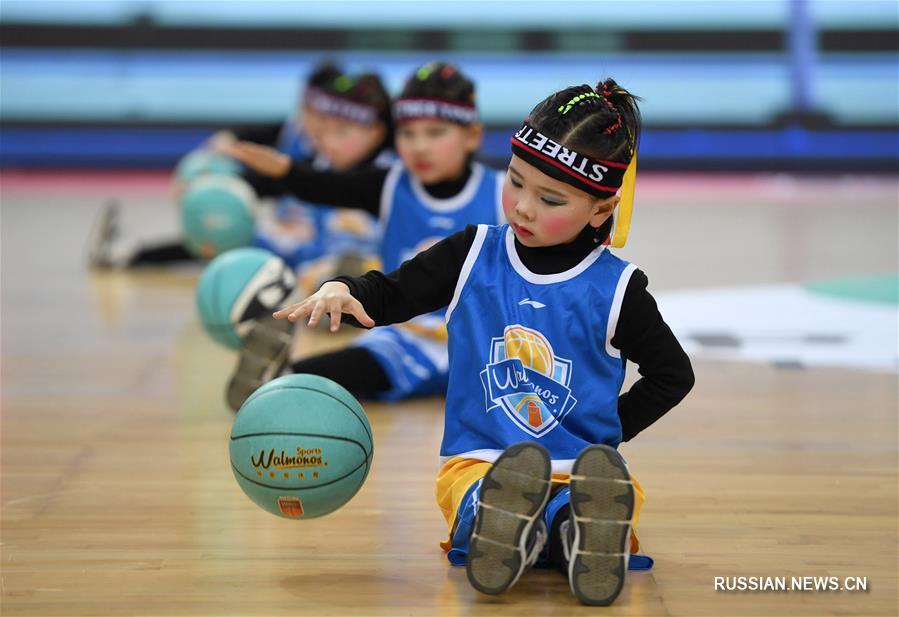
(145, 106)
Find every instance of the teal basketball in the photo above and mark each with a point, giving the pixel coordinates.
(301, 446)
(239, 286)
(203, 162)
(217, 215)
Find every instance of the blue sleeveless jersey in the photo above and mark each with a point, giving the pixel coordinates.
(291, 141)
(530, 356)
(412, 220)
(413, 354)
(309, 232)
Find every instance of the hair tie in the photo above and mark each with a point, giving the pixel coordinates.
(424, 72)
(577, 100)
(343, 83)
(614, 126)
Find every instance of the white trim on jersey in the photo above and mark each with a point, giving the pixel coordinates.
(460, 200)
(547, 279)
(385, 159)
(615, 311)
(472, 256)
(490, 456)
(500, 215)
(393, 176)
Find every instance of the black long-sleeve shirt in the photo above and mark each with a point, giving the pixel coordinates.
(427, 282)
(359, 189)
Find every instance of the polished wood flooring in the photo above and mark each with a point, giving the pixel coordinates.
(117, 497)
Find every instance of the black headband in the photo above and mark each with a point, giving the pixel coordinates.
(596, 177)
(451, 111)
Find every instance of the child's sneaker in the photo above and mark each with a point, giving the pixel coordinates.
(264, 353)
(508, 531)
(602, 505)
(101, 251)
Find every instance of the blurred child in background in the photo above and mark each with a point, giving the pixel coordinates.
(435, 189)
(343, 123)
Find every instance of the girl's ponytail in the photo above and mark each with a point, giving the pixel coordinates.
(624, 106)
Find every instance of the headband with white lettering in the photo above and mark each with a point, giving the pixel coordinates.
(593, 176)
(451, 111)
(330, 105)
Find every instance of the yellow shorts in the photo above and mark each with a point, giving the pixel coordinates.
(458, 474)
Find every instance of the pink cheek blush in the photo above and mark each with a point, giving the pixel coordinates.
(508, 203)
(558, 225)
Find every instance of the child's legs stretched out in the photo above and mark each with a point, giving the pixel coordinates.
(457, 497)
(381, 364)
(508, 532)
(414, 365)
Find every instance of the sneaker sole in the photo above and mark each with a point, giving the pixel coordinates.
(264, 353)
(512, 497)
(602, 505)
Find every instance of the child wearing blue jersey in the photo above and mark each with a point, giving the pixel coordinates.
(435, 189)
(343, 123)
(541, 319)
(346, 119)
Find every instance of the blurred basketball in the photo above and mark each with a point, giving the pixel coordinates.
(217, 215)
(239, 286)
(203, 162)
(301, 446)
(530, 347)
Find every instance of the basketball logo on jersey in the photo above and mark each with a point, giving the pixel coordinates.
(421, 247)
(351, 223)
(527, 380)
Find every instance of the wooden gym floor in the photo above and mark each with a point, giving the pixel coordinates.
(117, 497)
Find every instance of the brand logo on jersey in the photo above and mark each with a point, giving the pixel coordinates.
(442, 222)
(527, 381)
(534, 303)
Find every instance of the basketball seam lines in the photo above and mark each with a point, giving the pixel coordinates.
(244, 436)
(329, 395)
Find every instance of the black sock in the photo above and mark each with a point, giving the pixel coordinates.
(354, 368)
(556, 557)
(175, 252)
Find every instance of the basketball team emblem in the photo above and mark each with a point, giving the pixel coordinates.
(527, 381)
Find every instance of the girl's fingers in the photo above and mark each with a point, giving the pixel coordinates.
(359, 313)
(235, 150)
(316, 313)
(335, 316)
(315, 307)
(247, 153)
(302, 311)
(287, 311)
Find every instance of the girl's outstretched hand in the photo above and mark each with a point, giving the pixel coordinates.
(262, 159)
(334, 298)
